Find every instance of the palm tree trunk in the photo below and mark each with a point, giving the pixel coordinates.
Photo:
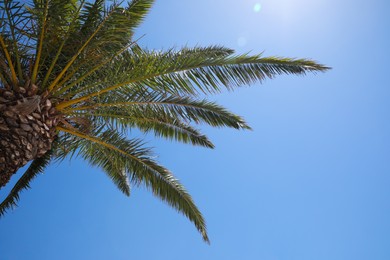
(27, 130)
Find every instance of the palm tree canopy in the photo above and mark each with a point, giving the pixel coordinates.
(82, 60)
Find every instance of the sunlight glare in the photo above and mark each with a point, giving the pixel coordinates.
(257, 8)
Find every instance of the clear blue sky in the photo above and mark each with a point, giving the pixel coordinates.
(311, 181)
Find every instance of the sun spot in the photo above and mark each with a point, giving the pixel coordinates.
(257, 7)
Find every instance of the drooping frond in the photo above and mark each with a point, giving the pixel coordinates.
(131, 157)
(182, 107)
(158, 122)
(133, 107)
(35, 168)
(165, 115)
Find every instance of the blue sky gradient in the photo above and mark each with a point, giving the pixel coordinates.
(311, 181)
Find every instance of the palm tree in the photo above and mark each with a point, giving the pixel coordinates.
(73, 80)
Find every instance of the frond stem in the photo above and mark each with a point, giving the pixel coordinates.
(18, 65)
(96, 140)
(53, 63)
(98, 66)
(9, 60)
(40, 44)
(53, 85)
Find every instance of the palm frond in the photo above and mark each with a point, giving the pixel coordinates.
(117, 67)
(63, 28)
(14, 15)
(114, 8)
(42, 31)
(136, 160)
(135, 13)
(87, 73)
(104, 30)
(187, 74)
(109, 162)
(10, 65)
(158, 122)
(91, 15)
(119, 29)
(35, 168)
(181, 107)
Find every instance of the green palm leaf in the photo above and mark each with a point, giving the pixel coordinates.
(181, 73)
(133, 101)
(131, 157)
(158, 122)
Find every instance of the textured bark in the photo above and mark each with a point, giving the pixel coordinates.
(27, 129)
